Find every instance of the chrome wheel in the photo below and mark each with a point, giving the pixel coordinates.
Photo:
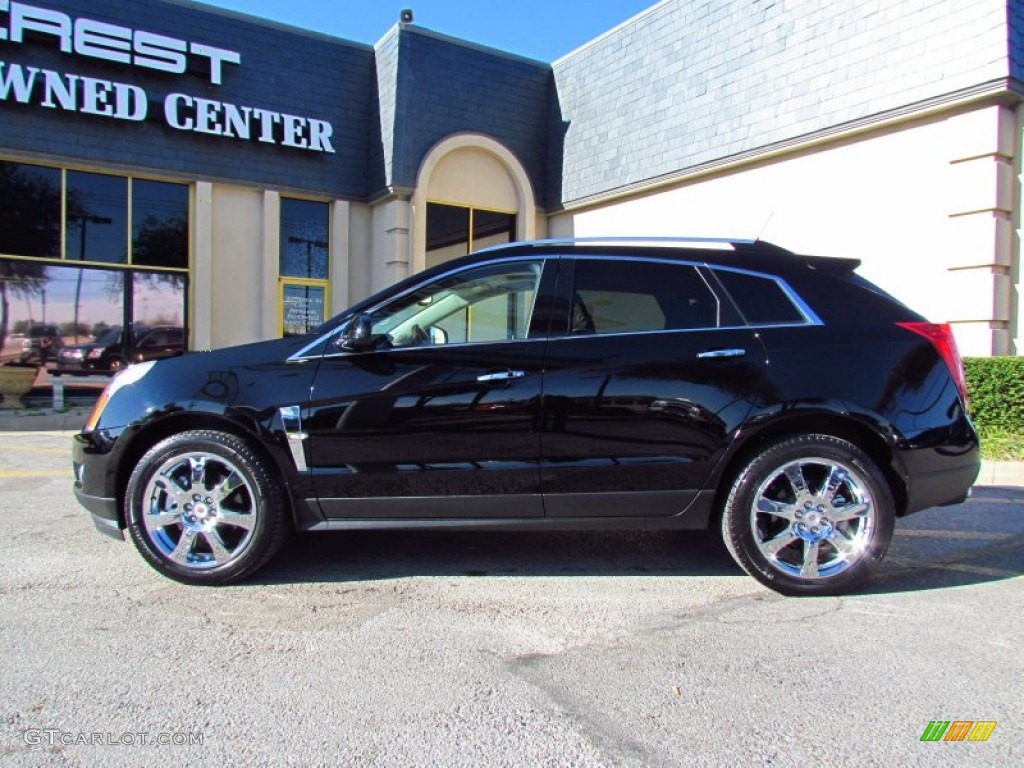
(199, 510)
(812, 518)
(809, 515)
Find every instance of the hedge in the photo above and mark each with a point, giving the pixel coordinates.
(995, 386)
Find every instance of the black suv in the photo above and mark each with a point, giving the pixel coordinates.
(554, 385)
(107, 353)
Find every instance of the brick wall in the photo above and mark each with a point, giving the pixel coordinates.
(693, 81)
(444, 86)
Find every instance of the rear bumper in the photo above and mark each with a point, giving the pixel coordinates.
(942, 487)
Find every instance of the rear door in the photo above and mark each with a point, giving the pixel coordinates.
(644, 389)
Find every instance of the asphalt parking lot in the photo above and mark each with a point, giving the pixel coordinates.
(497, 649)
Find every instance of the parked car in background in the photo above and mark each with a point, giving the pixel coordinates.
(782, 399)
(41, 344)
(107, 353)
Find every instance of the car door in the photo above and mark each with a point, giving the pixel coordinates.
(643, 390)
(437, 418)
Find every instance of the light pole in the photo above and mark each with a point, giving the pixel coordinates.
(85, 220)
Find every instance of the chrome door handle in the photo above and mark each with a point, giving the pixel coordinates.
(501, 376)
(718, 353)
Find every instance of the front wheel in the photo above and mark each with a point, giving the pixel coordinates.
(203, 508)
(809, 515)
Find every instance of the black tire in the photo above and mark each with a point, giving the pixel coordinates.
(823, 539)
(203, 508)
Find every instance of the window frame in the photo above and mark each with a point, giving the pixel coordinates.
(731, 316)
(470, 236)
(284, 281)
(127, 268)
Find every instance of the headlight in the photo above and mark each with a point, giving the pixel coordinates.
(125, 378)
(95, 353)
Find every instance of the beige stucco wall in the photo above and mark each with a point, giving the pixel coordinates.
(926, 205)
(235, 290)
(237, 274)
(474, 177)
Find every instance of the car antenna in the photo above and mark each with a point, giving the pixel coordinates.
(764, 226)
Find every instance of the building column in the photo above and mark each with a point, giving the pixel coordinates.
(981, 216)
(341, 296)
(392, 246)
(270, 264)
(202, 267)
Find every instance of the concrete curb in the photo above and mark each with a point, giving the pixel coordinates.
(34, 420)
(1001, 473)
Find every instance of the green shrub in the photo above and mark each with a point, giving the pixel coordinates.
(995, 386)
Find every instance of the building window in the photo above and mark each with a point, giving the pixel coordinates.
(30, 210)
(456, 230)
(96, 218)
(90, 255)
(304, 265)
(159, 224)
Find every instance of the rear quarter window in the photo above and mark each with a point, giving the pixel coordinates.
(761, 300)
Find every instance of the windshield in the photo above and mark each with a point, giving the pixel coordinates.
(109, 337)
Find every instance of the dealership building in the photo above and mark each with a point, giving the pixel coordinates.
(170, 163)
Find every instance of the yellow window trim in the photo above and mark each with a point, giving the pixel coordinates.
(303, 281)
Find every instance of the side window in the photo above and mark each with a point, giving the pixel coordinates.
(761, 299)
(634, 296)
(479, 304)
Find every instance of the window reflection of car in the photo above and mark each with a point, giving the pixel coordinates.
(107, 354)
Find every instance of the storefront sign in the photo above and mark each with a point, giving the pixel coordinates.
(124, 101)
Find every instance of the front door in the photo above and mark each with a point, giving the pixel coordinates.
(439, 419)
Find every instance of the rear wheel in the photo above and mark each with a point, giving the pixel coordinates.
(809, 515)
(204, 508)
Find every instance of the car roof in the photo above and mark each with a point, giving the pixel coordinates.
(730, 252)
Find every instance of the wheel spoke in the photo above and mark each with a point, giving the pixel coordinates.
(177, 494)
(197, 467)
(227, 486)
(773, 546)
(795, 473)
(237, 519)
(845, 546)
(809, 570)
(777, 508)
(162, 519)
(184, 547)
(851, 512)
(836, 477)
(220, 551)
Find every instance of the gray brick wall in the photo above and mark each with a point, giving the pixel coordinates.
(444, 86)
(692, 81)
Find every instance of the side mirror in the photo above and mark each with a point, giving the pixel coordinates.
(438, 335)
(358, 336)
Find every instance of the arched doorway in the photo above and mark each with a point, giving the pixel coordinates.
(471, 193)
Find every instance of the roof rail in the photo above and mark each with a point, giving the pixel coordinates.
(716, 243)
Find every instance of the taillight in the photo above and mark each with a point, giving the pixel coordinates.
(941, 337)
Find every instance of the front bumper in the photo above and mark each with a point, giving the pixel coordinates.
(104, 513)
(90, 463)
